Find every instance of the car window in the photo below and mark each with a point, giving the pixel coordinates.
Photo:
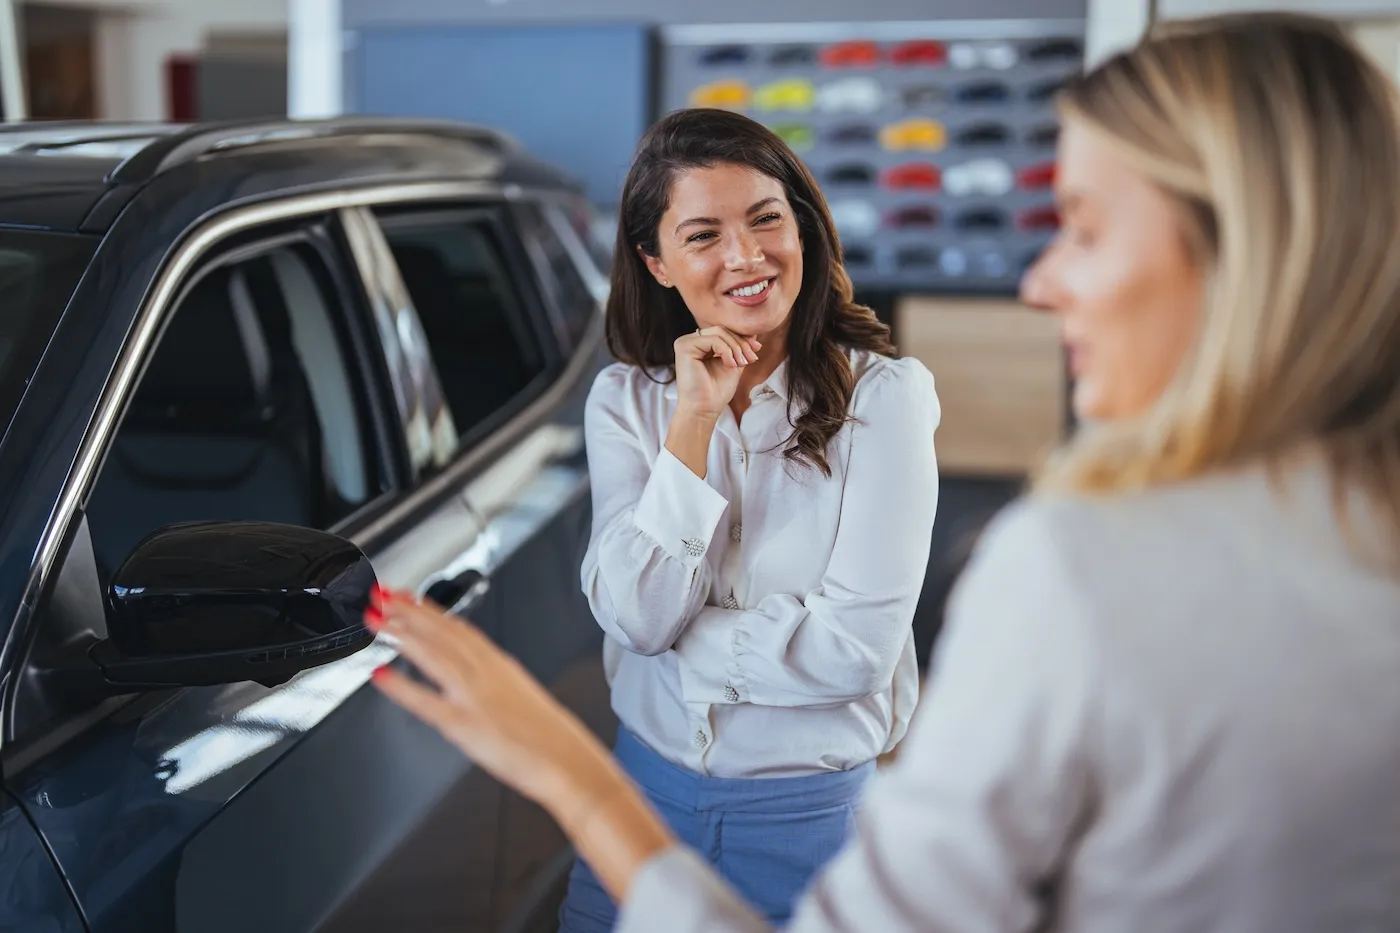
(562, 280)
(38, 273)
(249, 409)
(478, 330)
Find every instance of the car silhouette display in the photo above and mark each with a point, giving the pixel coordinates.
(785, 94)
(851, 95)
(855, 218)
(919, 133)
(919, 52)
(851, 55)
(913, 176)
(967, 56)
(725, 95)
(990, 176)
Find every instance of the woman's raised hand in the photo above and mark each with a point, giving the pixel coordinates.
(490, 707)
(708, 364)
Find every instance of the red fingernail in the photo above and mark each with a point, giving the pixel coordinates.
(378, 594)
(374, 619)
(379, 673)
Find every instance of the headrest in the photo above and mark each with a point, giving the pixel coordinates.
(214, 358)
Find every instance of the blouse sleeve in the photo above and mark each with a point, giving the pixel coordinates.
(644, 573)
(842, 641)
(975, 820)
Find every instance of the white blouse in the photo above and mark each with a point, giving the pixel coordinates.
(759, 620)
(1174, 711)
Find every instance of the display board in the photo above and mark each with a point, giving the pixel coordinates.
(934, 142)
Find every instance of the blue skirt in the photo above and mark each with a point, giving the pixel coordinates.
(767, 837)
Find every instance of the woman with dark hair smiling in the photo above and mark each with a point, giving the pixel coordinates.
(764, 489)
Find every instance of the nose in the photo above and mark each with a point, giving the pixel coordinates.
(1039, 286)
(744, 253)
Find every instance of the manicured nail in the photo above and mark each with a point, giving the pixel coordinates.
(379, 673)
(374, 619)
(378, 594)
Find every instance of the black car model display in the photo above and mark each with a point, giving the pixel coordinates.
(245, 370)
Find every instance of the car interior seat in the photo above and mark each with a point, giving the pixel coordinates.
(222, 426)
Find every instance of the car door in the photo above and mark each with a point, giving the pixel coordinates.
(275, 373)
(513, 326)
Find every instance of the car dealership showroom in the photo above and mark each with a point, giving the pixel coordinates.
(564, 466)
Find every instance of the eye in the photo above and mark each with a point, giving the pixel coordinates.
(769, 218)
(699, 237)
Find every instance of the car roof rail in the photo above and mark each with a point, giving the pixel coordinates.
(202, 140)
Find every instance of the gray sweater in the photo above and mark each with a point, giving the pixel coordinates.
(1174, 711)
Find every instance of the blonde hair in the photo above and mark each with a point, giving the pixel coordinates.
(1280, 143)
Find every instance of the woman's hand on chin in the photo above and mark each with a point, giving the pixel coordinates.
(708, 364)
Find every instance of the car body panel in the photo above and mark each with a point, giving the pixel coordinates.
(33, 897)
(913, 176)
(859, 54)
(926, 52)
(799, 136)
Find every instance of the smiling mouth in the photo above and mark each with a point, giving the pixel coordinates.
(749, 291)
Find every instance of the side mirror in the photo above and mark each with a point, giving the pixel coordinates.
(223, 602)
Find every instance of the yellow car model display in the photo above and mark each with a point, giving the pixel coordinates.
(726, 95)
(788, 94)
(921, 134)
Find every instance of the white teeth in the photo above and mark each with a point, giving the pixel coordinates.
(751, 290)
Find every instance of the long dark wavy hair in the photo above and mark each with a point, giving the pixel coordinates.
(644, 319)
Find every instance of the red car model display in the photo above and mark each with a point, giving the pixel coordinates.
(919, 52)
(922, 176)
(1041, 175)
(851, 55)
(1039, 218)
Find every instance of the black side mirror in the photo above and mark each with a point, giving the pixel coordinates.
(222, 602)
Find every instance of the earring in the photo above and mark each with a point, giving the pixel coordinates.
(665, 283)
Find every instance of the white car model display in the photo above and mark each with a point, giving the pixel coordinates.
(979, 176)
(855, 219)
(968, 55)
(851, 95)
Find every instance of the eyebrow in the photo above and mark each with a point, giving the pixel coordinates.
(714, 221)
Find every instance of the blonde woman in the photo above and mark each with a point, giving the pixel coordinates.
(1168, 697)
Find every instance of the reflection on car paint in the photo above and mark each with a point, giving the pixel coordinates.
(918, 133)
(851, 55)
(724, 55)
(980, 218)
(790, 55)
(913, 176)
(983, 134)
(1045, 136)
(1051, 50)
(979, 176)
(722, 94)
(851, 95)
(852, 134)
(913, 216)
(855, 218)
(1040, 175)
(797, 135)
(851, 173)
(919, 52)
(916, 96)
(968, 55)
(1045, 217)
(787, 94)
(983, 92)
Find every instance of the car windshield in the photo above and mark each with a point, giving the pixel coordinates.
(38, 272)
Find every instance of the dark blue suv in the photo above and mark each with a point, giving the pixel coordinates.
(244, 370)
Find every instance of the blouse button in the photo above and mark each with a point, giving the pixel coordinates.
(741, 456)
(729, 602)
(700, 739)
(694, 546)
(731, 694)
(736, 531)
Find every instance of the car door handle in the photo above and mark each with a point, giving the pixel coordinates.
(461, 593)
